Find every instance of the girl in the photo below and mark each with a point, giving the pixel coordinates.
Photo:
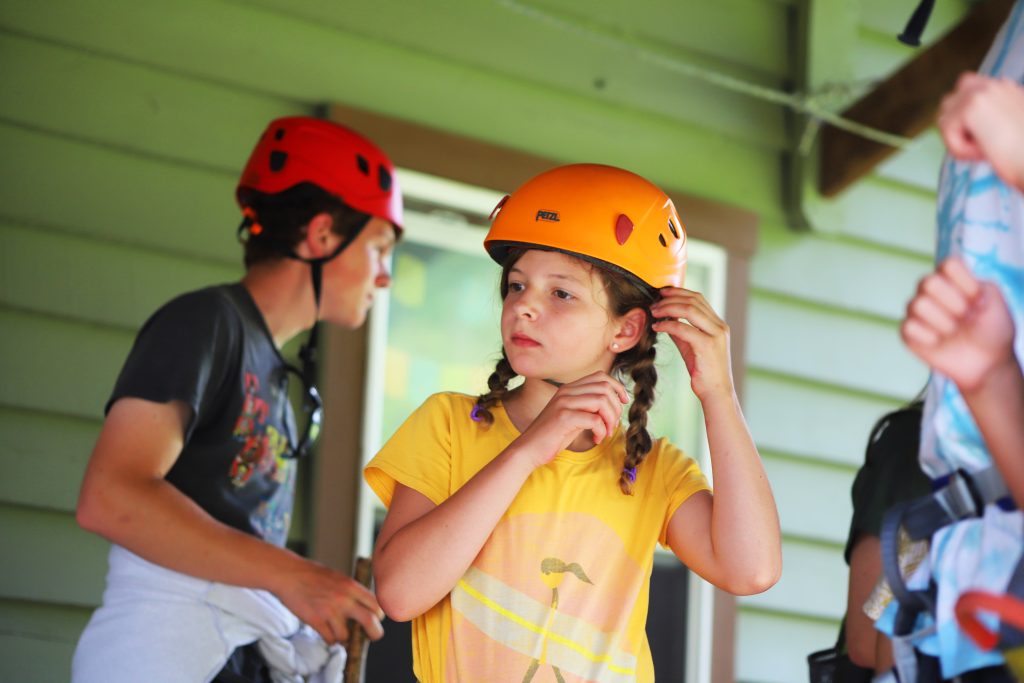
(522, 523)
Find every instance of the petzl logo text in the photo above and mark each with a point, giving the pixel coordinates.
(547, 216)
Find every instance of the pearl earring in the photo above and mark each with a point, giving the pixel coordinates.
(615, 346)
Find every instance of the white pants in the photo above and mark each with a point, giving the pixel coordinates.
(161, 626)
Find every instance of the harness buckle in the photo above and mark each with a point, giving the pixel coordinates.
(960, 497)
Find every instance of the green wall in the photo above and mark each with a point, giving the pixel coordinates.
(123, 127)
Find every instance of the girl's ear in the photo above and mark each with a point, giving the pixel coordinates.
(320, 238)
(631, 327)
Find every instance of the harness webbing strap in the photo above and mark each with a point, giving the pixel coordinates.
(963, 496)
(911, 602)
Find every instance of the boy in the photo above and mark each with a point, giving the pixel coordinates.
(193, 474)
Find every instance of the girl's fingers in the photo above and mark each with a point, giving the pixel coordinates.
(607, 416)
(918, 335)
(606, 407)
(680, 330)
(927, 311)
(598, 381)
(690, 306)
(943, 292)
(596, 419)
(704, 320)
(960, 277)
(959, 141)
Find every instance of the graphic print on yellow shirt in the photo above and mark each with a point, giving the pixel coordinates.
(536, 599)
(559, 592)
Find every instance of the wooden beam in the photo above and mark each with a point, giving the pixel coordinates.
(906, 103)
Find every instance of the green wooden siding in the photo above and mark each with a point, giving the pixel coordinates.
(124, 125)
(824, 355)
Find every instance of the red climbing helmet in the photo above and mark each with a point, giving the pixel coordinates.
(602, 213)
(300, 149)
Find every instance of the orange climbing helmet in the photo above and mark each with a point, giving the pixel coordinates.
(299, 149)
(604, 214)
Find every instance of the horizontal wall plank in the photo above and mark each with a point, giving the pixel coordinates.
(90, 190)
(131, 106)
(607, 54)
(878, 55)
(916, 165)
(56, 623)
(774, 649)
(811, 421)
(48, 558)
(836, 273)
(33, 659)
(813, 500)
(876, 210)
(80, 278)
(53, 365)
(828, 347)
(266, 52)
(37, 640)
(43, 458)
(813, 583)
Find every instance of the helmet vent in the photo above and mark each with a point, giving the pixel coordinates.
(277, 160)
(672, 228)
(279, 134)
(497, 207)
(363, 164)
(384, 178)
(623, 229)
(661, 238)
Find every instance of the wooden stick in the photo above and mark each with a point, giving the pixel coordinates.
(356, 646)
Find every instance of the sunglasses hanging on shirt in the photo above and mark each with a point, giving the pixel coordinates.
(309, 415)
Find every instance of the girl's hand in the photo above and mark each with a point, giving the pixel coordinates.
(982, 119)
(959, 326)
(592, 403)
(701, 337)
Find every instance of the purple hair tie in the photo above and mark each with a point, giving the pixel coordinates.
(474, 414)
(630, 473)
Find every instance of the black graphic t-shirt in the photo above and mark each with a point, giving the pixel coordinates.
(211, 349)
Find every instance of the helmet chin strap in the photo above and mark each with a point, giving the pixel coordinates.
(307, 352)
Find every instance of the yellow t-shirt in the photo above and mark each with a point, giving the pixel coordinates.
(562, 582)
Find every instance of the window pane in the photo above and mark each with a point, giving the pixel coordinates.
(443, 331)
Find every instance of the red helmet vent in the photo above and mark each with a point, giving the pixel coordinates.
(277, 160)
(623, 228)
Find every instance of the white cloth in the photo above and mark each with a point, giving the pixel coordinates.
(161, 626)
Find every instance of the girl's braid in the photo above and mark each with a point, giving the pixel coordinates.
(639, 363)
(497, 384)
